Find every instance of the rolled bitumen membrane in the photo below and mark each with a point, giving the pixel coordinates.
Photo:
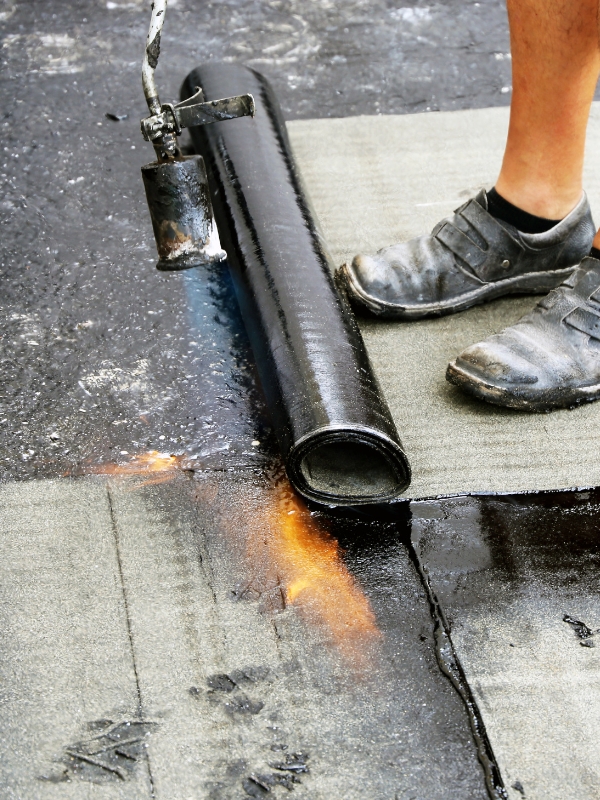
(333, 425)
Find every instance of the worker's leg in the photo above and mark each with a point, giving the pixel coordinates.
(528, 233)
(551, 357)
(555, 67)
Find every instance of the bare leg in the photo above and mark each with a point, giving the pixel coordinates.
(555, 63)
(548, 359)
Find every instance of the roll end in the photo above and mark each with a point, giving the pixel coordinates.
(349, 468)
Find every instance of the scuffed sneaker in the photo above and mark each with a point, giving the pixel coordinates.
(469, 258)
(548, 359)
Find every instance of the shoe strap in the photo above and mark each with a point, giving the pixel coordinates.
(488, 263)
(586, 320)
(586, 317)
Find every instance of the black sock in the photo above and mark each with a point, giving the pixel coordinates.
(595, 253)
(522, 220)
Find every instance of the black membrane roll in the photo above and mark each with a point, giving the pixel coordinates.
(334, 428)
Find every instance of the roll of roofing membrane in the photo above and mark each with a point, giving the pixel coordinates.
(334, 428)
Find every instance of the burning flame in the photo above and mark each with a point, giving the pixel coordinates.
(162, 465)
(291, 557)
(310, 571)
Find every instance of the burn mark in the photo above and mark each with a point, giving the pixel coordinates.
(172, 238)
(153, 51)
(272, 601)
(293, 762)
(250, 675)
(110, 755)
(270, 596)
(56, 777)
(221, 683)
(259, 785)
(99, 724)
(242, 704)
(235, 700)
(581, 630)
(245, 591)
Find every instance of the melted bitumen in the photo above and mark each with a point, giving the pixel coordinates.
(488, 552)
(474, 552)
(353, 539)
(548, 541)
(383, 713)
(451, 667)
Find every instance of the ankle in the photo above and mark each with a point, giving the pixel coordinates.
(523, 221)
(540, 200)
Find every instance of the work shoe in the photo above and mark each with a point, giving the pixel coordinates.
(549, 359)
(469, 258)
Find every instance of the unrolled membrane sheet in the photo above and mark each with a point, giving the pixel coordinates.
(334, 428)
(382, 179)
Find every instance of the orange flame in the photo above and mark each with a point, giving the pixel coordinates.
(162, 464)
(292, 558)
(308, 566)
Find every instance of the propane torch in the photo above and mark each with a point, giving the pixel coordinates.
(176, 186)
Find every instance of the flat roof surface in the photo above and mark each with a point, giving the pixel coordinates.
(223, 632)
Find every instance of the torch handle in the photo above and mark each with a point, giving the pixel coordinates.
(151, 54)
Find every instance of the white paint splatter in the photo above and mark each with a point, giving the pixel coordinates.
(413, 16)
(132, 387)
(51, 53)
(8, 10)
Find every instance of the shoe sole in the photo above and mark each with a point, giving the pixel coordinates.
(499, 396)
(534, 283)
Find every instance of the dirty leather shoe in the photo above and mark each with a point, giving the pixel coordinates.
(469, 258)
(549, 359)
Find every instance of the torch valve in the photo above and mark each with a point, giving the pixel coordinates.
(194, 111)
